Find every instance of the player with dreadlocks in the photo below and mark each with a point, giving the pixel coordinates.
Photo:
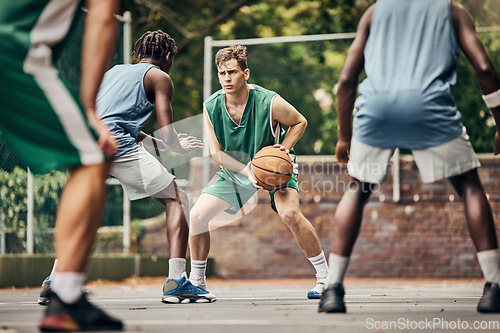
(125, 102)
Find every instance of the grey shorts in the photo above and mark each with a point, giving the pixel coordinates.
(455, 157)
(141, 174)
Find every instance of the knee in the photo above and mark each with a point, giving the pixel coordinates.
(195, 216)
(197, 222)
(292, 218)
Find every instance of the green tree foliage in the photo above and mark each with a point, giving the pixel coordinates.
(13, 191)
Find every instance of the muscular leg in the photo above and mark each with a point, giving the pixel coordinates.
(287, 204)
(477, 210)
(79, 216)
(206, 207)
(177, 214)
(482, 231)
(348, 217)
(176, 208)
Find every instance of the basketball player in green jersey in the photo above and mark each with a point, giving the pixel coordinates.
(48, 127)
(241, 119)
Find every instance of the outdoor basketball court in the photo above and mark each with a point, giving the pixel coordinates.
(278, 306)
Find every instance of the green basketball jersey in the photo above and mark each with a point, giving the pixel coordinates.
(242, 141)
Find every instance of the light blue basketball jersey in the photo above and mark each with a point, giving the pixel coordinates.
(410, 62)
(122, 103)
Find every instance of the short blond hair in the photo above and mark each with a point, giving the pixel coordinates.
(237, 52)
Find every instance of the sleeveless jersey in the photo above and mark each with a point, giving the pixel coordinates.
(410, 63)
(242, 141)
(122, 103)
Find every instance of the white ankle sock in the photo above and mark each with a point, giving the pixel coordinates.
(176, 266)
(319, 263)
(489, 261)
(338, 267)
(198, 268)
(67, 285)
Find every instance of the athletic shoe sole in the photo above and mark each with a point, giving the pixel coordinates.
(184, 299)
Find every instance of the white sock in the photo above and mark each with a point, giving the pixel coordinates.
(198, 268)
(489, 261)
(176, 266)
(54, 267)
(338, 267)
(320, 264)
(67, 285)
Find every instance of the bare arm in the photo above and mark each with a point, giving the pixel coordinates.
(348, 83)
(98, 46)
(159, 84)
(475, 52)
(286, 114)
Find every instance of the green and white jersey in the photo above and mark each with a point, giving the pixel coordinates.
(41, 119)
(30, 28)
(255, 130)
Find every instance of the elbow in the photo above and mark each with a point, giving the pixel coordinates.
(304, 122)
(103, 18)
(486, 71)
(346, 81)
(217, 157)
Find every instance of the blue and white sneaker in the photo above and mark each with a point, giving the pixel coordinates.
(43, 299)
(183, 291)
(315, 293)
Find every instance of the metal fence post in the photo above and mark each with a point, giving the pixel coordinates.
(30, 217)
(2, 233)
(207, 91)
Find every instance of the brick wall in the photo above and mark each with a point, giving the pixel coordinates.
(423, 235)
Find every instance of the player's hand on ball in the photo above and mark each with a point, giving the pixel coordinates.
(295, 165)
(189, 143)
(282, 148)
(248, 171)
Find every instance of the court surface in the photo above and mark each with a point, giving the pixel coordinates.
(278, 306)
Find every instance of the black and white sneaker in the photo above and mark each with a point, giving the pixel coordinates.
(332, 299)
(79, 316)
(490, 302)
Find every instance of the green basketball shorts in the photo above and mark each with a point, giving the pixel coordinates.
(44, 124)
(237, 195)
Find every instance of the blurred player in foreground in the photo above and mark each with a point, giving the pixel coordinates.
(409, 51)
(242, 119)
(126, 99)
(48, 128)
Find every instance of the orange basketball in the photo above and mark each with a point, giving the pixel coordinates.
(272, 168)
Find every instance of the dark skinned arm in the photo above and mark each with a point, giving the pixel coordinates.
(475, 52)
(347, 85)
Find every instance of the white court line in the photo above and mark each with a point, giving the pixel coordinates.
(208, 322)
(349, 297)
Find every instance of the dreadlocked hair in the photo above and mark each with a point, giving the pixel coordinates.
(155, 44)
